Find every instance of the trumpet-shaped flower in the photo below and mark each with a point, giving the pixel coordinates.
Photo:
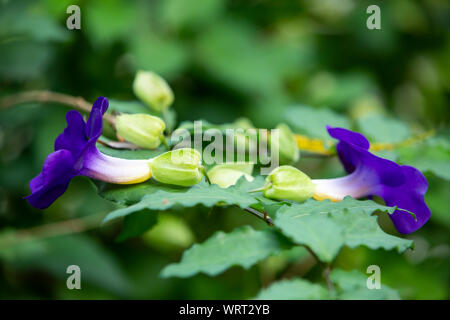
(399, 185)
(76, 154)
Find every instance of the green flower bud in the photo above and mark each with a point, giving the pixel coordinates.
(143, 130)
(227, 174)
(287, 146)
(152, 90)
(243, 123)
(288, 183)
(181, 167)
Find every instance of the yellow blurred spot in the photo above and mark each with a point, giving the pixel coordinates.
(377, 146)
(312, 145)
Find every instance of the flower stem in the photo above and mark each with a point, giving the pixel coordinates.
(326, 275)
(164, 142)
(48, 96)
(202, 169)
(267, 186)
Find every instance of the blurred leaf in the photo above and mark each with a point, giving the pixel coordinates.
(127, 106)
(18, 20)
(337, 91)
(325, 226)
(180, 14)
(243, 247)
(313, 121)
(353, 286)
(379, 128)
(136, 224)
(164, 55)
(293, 289)
(56, 254)
(237, 55)
(109, 20)
(437, 198)
(201, 193)
(17, 64)
(431, 156)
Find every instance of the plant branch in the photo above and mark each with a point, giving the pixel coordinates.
(326, 271)
(326, 275)
(261, 215)
(61, 228)
(48, 96)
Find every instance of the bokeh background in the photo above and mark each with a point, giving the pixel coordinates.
(223, 60)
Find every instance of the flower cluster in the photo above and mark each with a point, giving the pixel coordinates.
(369, 175)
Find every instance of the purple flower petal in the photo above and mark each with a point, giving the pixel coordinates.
(53, 181)
(400, 186)
(95, 123)
(409, 196)
(73, 138)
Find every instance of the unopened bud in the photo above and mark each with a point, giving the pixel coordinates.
(288, 183)
(181, 167)
(153, 90)
(287, 146)
(143, 130)
(227, 174)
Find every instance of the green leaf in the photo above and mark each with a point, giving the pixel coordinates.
(378, 128)
(363, 230)
(131, 194)
(325, 226)
(136, 224)
(293, 289)
(313, 121)
(130, 154)
(352, 285)
(242, 247)
(169, 197)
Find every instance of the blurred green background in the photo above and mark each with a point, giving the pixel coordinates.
(223, 60)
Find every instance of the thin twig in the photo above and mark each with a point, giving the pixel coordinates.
(326, 271)
(66, 227)
(326, 275)
(261, 215)
(48, 96)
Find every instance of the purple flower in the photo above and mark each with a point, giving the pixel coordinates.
(401, 186)
(76, 154)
